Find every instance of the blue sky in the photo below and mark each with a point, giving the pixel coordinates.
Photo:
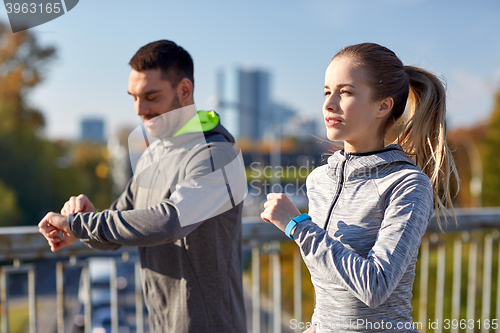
(294, 40)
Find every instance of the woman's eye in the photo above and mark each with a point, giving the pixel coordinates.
(347, 92)
(327, 93)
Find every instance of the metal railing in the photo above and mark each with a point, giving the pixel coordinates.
(443, 293)
(462, 294)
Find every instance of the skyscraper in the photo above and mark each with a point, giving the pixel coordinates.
(243, 95)
(92, 129)
(254, 103)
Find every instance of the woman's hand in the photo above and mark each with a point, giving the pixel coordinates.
(279, 210)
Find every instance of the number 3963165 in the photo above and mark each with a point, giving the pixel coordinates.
(471, 324)
(32, 8)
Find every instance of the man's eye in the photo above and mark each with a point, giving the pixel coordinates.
(151, 99)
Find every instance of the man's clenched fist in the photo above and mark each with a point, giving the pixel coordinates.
(50, 227)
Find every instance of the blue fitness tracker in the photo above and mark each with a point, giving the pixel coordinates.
(293, 222)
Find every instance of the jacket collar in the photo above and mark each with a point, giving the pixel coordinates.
(356, 162)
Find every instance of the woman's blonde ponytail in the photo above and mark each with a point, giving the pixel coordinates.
(424, 135)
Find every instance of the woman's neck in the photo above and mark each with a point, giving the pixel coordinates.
(365, 147)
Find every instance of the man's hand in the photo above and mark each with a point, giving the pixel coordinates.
(79, 204)
(279, 210)
(50, 227)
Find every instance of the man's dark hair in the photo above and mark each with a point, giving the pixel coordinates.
(174, 62)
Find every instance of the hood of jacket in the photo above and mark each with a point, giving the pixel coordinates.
(361, 165)
(207, 122)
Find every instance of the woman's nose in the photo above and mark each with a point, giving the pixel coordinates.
(330, 104)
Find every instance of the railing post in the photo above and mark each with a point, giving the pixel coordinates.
(440, 276)
(270, 309)
(471, 285)
(60, 296)
(113, 295)
(4, 300)
(275, 258)
(487, 268)
(457, 280)
(32, 299)
(139, 310)
(424, 282)
(255, 289)
(297, 286)
(87, 305)
(498, 287)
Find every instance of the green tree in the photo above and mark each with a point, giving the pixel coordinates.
(90, 162)
(9, 210)
(491, 178)
(22, 66)
(38, 175)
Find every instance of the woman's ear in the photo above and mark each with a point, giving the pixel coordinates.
(385, 107)
(185, 92)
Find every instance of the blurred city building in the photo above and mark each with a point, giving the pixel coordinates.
(300, 127)
(254, 104)
(249, 112)
(119, 159)
(243, 96)
(92, 129)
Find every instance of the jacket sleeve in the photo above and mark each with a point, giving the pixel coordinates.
(123, 203)
(126, 200)
(203, 190)
(372, 280)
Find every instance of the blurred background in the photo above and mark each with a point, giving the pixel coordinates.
(65, 114)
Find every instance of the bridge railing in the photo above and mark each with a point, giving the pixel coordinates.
(457, 285)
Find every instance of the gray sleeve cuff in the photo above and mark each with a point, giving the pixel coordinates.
(70, 221)
(300, 226)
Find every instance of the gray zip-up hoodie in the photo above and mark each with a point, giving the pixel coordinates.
(369, 212)
(191, 272)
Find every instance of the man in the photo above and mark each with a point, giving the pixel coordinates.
(182, 207)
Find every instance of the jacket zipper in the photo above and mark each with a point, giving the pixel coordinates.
(339, 190)
(154, 179)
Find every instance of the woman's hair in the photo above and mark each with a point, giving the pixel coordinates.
(423, 135)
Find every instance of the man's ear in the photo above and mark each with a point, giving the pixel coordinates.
(385, 107)
(185, 92)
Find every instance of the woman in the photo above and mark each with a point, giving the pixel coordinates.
(370, 205)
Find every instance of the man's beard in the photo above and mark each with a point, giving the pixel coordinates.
(169, 123)
(176, 103)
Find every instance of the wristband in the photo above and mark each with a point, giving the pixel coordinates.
(293, 222)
